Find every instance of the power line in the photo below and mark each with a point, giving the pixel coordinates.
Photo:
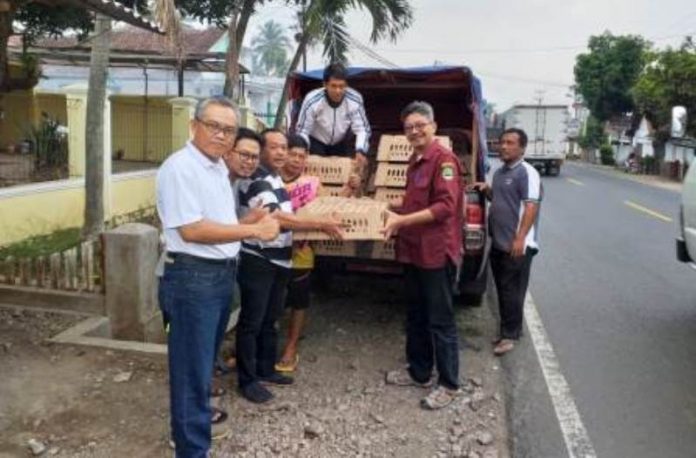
(525, 80)
(519, 50)
(370, 53)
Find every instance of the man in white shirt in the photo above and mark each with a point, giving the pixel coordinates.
(199, 219)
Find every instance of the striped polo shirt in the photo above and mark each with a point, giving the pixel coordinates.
(514, 185)
(266, 189)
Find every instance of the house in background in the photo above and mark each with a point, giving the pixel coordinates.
(148, 77)
(619, 132)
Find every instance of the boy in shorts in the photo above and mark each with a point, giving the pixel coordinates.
(302, 189)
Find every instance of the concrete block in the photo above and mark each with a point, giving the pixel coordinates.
(130, 257)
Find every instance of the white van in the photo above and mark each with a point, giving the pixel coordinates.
(686, 241)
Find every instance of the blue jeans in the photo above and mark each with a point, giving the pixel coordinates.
(195, 299)
(431, 331)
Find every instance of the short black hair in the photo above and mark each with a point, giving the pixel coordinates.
(244, 133)
(521, 135)
(297, 141)
(270, 130)
(336, 71)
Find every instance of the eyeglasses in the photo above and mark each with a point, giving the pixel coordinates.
(419, 126)
(247, 156)
(215, 128)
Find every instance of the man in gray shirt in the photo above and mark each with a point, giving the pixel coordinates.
(515, 195)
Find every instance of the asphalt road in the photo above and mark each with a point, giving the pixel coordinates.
(620, 313)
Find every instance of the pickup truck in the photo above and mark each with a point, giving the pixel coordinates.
(686, 240)
(455, 94)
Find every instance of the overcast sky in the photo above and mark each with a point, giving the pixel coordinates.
(516, 47)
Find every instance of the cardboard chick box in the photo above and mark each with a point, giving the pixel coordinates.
(396, 148)
(362, 218)
(334, 170)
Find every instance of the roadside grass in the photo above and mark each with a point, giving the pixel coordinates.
(43, 245)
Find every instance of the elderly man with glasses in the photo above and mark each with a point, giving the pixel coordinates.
(199, 219)
(429, 227)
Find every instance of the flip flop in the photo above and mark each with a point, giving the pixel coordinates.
(217, 392)
(217, 416)
(288, 366)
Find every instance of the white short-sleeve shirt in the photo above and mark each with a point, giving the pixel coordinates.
(191, 188)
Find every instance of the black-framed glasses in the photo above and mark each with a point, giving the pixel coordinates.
(243, 155)
(215, 128)
(419, 126)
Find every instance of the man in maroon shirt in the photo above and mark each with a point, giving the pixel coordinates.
(429, 229)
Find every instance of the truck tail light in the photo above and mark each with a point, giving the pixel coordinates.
(474, 223)
(473, 208)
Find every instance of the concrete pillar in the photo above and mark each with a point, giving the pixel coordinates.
(244, 114)
(76, 100)
(182, 113)
(130, 258)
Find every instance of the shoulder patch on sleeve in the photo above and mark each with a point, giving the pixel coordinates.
(447, 171)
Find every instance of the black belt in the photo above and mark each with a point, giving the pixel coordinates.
(190, 257)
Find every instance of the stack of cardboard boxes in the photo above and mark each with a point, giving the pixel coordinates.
(364, 216)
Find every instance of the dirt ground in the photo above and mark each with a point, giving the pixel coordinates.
(91, 402)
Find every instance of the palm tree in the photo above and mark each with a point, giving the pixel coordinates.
(270, 47)
(94, 129)
(324, 20)
(168, 19)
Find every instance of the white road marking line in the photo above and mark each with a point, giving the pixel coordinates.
(575, 435)
(647, 211)
(575, 182)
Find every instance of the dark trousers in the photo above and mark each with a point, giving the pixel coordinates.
(431, 331)
(263, 286)
(322, 149)
(511, 277)
(195, 298)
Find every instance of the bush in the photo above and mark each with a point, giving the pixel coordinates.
(650, 165)
(606, 155)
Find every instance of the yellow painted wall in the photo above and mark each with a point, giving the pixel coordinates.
(31, 210)
(137, 139)
(41, 212)
(132, 194)
(22, 109)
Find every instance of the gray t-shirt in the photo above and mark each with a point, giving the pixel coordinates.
(512, 186)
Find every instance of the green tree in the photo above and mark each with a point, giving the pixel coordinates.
(94, 129)
(324, 20)
(233, 15)
(37, 19)
(270, 48)
(606, 75)
(593, 135)
(669, 80)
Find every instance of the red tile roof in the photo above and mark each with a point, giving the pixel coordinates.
(133, 39)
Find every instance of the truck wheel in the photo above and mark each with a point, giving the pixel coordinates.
(553, 171)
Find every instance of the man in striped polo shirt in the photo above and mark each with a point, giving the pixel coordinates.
(265, 270)
(515, 193)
